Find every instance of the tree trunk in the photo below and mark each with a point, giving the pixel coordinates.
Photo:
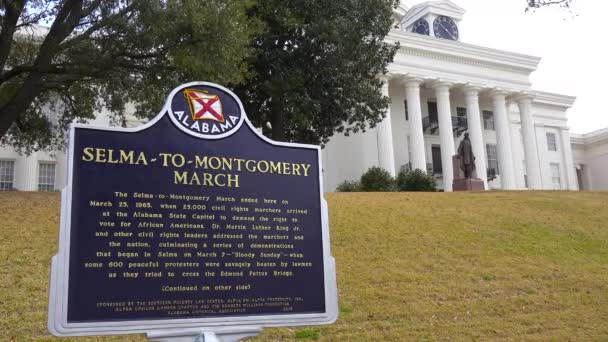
(9, 25)
(19, 102)
(7, 117)
(278, 122)
(6, 120)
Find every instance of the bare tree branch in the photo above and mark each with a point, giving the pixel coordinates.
(95, 27)
(30, 20)
(542, 3)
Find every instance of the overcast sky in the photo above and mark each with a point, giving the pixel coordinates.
(574, 59)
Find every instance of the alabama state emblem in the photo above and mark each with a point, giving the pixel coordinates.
(206, 110)
(204, 106)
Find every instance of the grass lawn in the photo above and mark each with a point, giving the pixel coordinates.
(411, 266)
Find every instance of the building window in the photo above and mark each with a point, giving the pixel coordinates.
(46, 177)
(461, 111)
(433, 116)
(492, 156)
(430, 123)
(436, 154)
(406, 113)
(488, 120)
(551, 142)
(7, 174)
(555, 176)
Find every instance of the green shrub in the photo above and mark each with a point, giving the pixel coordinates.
(377, 179)
(415, 180)
(348, 186)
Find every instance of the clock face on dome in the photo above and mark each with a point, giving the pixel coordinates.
(446, 28)
(421, 27)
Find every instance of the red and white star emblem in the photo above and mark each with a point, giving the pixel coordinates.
(204, 106)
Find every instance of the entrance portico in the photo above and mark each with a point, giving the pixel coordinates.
(449, 126)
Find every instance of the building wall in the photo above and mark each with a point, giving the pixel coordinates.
(347, 157)
(553, 157)
(590, 153)
(583, 169)
(597, 163)
(26, 169)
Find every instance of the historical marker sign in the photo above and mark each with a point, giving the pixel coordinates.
(193, 220)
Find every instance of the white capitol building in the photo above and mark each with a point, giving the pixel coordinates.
(440, 88)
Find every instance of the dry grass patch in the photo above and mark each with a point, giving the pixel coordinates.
(411, 266)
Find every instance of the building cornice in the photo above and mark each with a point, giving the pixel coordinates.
(400, 11)
(599, 136)
(464, 53)
(552, 99)
(550, 117)
(459, 77)
(577, 139)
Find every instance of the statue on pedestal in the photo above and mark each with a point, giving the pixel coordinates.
(465, 178)
(467, 159)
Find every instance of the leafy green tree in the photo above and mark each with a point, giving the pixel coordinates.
(317, 69)
(106, 53)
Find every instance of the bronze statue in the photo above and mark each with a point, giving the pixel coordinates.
(467, 159)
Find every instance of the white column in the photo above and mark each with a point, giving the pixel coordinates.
(518, 156)
(471, 95)
(541, 142)
(568, 162)
(60, 170)
(412, 93)
(29, 173)
(386, 156)
(531, 154)
(503, 139)
(444, 111)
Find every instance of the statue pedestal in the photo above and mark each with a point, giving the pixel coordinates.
(463, 184)
(472, 184)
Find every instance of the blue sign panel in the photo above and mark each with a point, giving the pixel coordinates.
(194, 218)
